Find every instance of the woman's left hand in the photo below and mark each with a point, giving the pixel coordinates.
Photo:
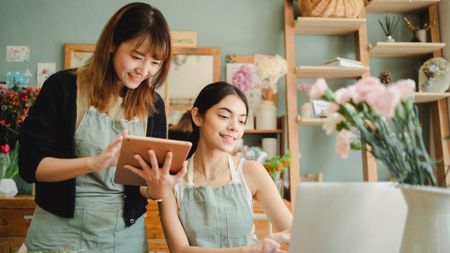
(159, 180)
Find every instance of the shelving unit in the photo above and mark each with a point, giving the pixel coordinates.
(319, 26)
(439, 110)
(339, 26)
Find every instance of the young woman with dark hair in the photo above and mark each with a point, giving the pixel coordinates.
(210, 210)
(70, 141)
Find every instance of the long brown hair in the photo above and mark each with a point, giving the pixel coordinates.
(98, 78)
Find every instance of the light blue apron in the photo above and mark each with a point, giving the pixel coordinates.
(98, 224)
(216, 217)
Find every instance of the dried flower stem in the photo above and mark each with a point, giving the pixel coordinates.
(413, 28)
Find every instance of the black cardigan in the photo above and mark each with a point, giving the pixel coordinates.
(49, 131)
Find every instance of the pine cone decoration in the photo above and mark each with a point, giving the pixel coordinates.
(385, 77)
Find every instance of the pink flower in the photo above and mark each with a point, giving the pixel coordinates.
(331, 108)
(384, 101)
(406, 88)
(318, 89)
(366, 86)
(5, 149)
(343, 96)
(343, 141)
(242, 79)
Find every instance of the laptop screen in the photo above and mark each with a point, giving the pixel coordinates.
(347, 218)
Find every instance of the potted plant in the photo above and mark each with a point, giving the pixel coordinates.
(384, 121)
(275, 167)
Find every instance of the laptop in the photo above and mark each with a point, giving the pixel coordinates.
(348, 218)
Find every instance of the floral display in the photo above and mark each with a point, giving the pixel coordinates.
(433, 68)
(270, 69)
(242, 79)
(15, 103)
(383, 118)
(277, 164)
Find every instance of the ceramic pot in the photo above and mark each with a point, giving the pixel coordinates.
(8, 188)
(266, 115)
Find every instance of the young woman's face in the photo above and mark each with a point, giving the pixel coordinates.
(132, 65)
(223, 124)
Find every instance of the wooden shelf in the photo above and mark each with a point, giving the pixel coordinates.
(404, 49)
(330, 72)
(426, 97)
(327, 26)
(311, 121)
(263, 131)
(398, 6)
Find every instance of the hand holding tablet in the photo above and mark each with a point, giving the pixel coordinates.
(132, 145)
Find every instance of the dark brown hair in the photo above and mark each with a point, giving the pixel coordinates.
(98, 78)
(209, 96)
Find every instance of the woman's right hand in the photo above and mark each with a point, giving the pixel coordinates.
(109, 156)
(271, 244)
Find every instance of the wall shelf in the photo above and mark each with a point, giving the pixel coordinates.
(427, 97)
(404, 49)
(263, 131)
(327, 26)
(311, 121)
(331, 72)
(398, 6)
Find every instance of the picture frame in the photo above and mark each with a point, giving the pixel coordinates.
(319, 108)
(75, 55)
(192, 67)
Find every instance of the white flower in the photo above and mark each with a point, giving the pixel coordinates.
(270, 69)
(331, 122)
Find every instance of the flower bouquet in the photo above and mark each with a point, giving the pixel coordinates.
(275, 166)
(383, 120)
(270, 69)
(15, 103)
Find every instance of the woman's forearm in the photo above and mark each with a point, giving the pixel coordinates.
(57, 169)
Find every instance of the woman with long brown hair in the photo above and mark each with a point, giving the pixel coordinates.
(70, 141)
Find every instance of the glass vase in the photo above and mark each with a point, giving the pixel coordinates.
(278, 182)
(4, 163)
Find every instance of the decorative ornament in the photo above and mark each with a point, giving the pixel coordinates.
(385, 78)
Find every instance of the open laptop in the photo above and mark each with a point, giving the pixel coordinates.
(348, 218)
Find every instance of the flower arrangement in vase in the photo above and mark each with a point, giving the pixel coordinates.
(15, 103)
(420, 33)
(275, 167)
(269, 69)
(384, 121)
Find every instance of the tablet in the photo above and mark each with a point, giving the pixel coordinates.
(132, 145)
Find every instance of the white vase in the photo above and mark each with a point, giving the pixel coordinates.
(427, 226)
(8, 188)
(266, 115)
(250, 125)
(421, 35)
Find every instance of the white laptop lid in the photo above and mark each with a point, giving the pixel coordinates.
(348, 218)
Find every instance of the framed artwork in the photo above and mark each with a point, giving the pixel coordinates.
(192, 69)
(75, 55)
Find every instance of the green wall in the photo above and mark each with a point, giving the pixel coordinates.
(236, 26)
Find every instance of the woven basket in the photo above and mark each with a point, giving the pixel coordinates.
(330, 8)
